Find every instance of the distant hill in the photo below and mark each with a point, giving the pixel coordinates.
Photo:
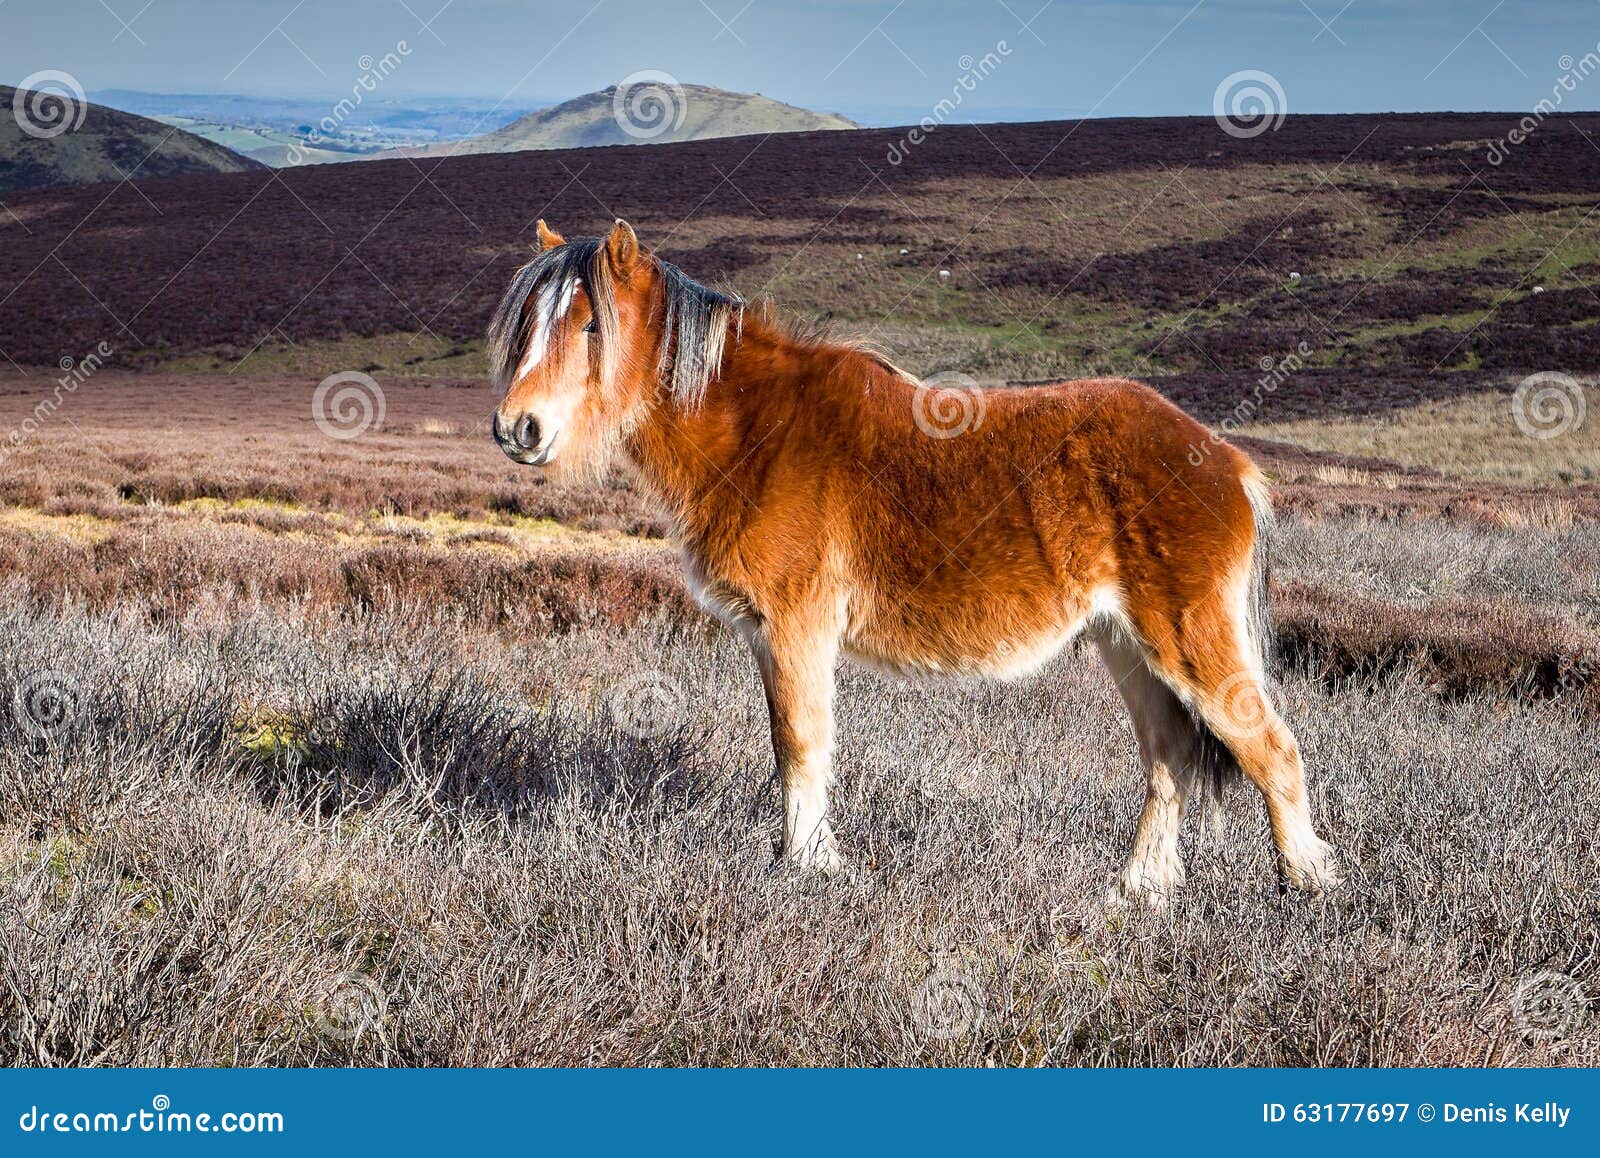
(106, 146)
(273, 147)
(281, 131)
(692, 112)
(1202, 291)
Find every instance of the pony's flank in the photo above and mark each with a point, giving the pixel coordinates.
(696, 318)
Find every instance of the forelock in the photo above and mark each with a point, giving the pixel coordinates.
(696, 319)
(535, 303)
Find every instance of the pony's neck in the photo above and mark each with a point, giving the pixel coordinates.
(706, 460)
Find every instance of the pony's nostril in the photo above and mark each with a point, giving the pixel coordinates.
(526, 433)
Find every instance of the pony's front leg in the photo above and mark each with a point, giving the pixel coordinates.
(797, 662)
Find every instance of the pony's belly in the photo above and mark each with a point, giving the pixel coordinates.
(1002, 657)
(1004, 639)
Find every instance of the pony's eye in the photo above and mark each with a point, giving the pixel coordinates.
(592, 328)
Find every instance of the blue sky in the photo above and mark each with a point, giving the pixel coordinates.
(878, 61)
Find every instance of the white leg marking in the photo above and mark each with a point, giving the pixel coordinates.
(807, 837)
(1154, 870)
(1308, 860)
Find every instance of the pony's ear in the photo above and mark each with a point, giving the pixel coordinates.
(622, 248)
(548, 238)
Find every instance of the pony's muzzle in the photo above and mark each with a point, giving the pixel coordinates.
(522, 440)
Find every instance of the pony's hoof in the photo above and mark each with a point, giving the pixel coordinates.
(822, 859)
(1316, 873)
(1147, 883)
(1124, 897)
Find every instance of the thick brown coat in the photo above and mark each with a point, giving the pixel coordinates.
(827, 504)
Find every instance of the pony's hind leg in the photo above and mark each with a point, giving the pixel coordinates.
(1206, 655)
(1237, 708)
(1169, 750)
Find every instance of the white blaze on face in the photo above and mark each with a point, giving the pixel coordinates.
(558, 295)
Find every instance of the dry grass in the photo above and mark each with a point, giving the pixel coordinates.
(1474, 437)
(350, 771)
(1415, 562)
(1355, 476)
(1552, 515)
(401, 842)
(1466, 608)
(189, 567)
(255, 440)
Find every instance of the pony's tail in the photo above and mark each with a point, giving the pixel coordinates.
(1216, 767)
(1258, 610)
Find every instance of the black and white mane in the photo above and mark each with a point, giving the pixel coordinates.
(694, 335)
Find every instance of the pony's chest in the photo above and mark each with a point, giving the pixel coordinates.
(720, 594)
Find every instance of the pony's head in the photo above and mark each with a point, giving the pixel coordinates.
(589, 336)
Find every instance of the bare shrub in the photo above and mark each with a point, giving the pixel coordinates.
(389, 841)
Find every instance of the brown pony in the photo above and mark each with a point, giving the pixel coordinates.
(826, 504)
